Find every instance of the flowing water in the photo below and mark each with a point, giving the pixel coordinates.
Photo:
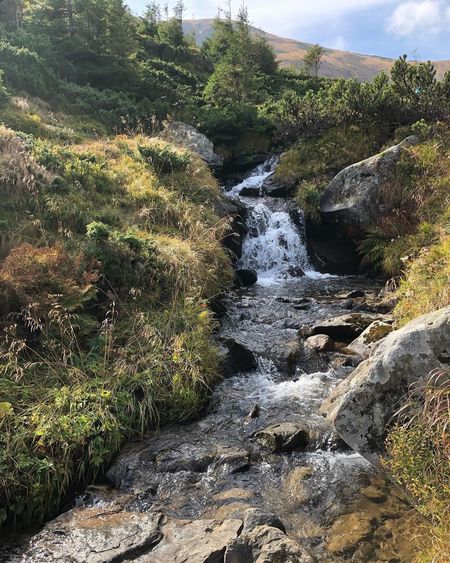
(216, 468)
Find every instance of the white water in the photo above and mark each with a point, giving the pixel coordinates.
(274, 245)
(256, 179)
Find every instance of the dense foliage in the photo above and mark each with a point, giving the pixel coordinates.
(109, 245)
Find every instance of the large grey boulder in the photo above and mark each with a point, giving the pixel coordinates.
(190, 138)
(362, 406)
(354, 196)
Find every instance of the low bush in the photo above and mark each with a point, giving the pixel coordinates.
(418, 458)
(164, 159)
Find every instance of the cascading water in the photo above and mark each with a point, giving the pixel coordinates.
(274, 246)
(216, 467)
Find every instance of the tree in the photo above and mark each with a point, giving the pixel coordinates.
(313, 59)
(11, 13)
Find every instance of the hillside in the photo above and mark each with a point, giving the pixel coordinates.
(337, 64)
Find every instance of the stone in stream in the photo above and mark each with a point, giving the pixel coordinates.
(95, 535)
(274, 188)
(265, 544)
(254, 517)
(320, 343)
(198, 541)
(284, 437)
(362, 406)
(250, 191)
(237, 357)
(346, 327)
(246, 278)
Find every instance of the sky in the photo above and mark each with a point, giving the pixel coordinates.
(418, 28)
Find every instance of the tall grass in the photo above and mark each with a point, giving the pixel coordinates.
(104, 290)
(418, 449)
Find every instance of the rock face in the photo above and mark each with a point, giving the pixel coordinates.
(236, 213)
(320, 342)
(362, 406)
(190, 138)
(354, 195)
(366, 342)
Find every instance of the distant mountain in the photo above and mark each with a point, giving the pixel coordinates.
(336, 64)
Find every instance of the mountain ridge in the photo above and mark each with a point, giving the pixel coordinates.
(336, 63)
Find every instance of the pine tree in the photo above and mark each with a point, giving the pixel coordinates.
(313, 59)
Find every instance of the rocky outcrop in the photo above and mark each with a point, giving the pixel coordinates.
(354, 197)
(362, 406)
(235, 212)
(190, 138)
(346, 327)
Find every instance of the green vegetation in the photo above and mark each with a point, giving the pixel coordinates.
(110, 248)
(418, 457)
(111, 251)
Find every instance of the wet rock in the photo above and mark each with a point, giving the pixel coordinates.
(352, 294)
(320, 343)
(366, 342)
(238, 358)
(250, 191)
(95, 535)
(344, 360)
(254, 413)
(296, 272)
(246, 278)
(296, 488)
(362, 406)
(254, 517)
(234, 236)
(265, 544)
(347, 304)
(274, 188)
(348, 531)
(234, 459)
(284, 437)
(354, 195)
(346, 327)
(190, 138)
(199, 541)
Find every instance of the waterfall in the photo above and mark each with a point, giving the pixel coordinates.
(274, 245)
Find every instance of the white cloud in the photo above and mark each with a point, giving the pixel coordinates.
(283, 17)
(423, 17)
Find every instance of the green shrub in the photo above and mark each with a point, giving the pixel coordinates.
(308, 197)
(4, 95)
(163, 159)
(418, 457)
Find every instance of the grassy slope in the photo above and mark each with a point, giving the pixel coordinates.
(110, 251)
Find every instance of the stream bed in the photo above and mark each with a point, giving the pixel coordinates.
(329, 499)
